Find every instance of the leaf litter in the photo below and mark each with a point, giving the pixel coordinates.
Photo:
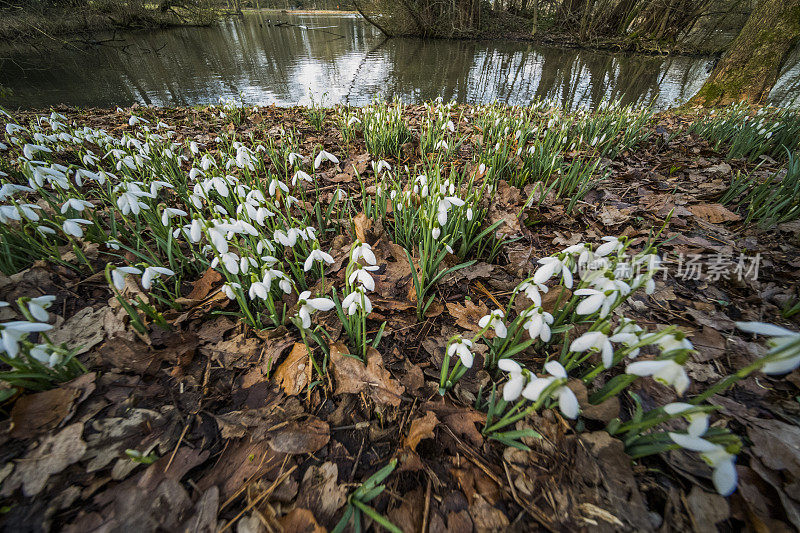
(236, 437)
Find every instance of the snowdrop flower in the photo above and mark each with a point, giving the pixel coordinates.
(597, 300)
(664, 371)
(325, 156)
(76, 204)
(516, 379)
(782, 340)
(275, 184)
(364, 250)
(381, 165)
(71, 226)
(595, 341)
(29, 150)
(674, 342)
(552, 266)
(353, 120)
(170, 212)
(154, 272)
(628, 333)
(494, 320)
(118, 276)
(356, 300)
(532, 290)
(462, 348)
(362, 275)
(37, 307)
(538, 324)
(436, 233)
(310, 305)
(300, 175)
(445, 204)
(293, 157)
(717, 457)
(258, 289)
(441, 145)
(317, 255)
(12, 332)
(40, 353)
(229, 289)
(612, 244)
(567, 401)
(698, 421)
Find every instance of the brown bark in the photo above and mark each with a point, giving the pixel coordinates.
(750, 67)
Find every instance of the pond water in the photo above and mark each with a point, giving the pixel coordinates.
(271, 58)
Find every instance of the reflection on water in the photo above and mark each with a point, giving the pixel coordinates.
(343, 57)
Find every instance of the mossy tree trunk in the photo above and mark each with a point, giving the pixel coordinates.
(750, 67)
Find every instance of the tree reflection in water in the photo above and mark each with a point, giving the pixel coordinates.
(344, 57)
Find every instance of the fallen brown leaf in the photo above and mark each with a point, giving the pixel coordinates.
(353, 377)
(421, 428)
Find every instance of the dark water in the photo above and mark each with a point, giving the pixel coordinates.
(344, 58)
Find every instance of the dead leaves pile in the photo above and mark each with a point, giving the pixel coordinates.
(230, 430)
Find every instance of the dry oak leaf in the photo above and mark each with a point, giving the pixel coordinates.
(54, 454)
(714, 213)
(294, 374)
(307, 436)
(421, 428)
(83, 330)
(300, 521)
(36, 413)
(467, 315)
(353, 377)
(320, 491)
(362, 226)
(203, 286)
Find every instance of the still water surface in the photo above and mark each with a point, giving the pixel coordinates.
(345, 59)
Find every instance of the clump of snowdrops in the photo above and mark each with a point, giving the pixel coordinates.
(584, 337)
(34, 364)
(747, 132)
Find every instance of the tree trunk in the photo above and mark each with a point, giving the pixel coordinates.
(750, 67)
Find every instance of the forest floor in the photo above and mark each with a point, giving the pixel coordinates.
(234, 439)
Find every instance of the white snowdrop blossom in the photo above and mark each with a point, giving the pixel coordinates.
(317, 255)
(722, 463)
(76, 204)
(301, 176)
(595, 341)
(118, 275)
(72, 226)
(567, 401)
(356, 300)
(611, 245)
(229, 289)
(12, 332)
(664, 371)
(37, 307)
(154, 272)
(171, 212)
(783, 342)
(462, 348)
(494, 320)
(553, 266)
(532, 291)
(537, 323)
(445, 204)
(516, 379)
(364, 250)
(363, 276)
(698, 420)
(323, 156)
(307, 306)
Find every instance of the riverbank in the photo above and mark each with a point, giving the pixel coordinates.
(219, 394)
(63, 25)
